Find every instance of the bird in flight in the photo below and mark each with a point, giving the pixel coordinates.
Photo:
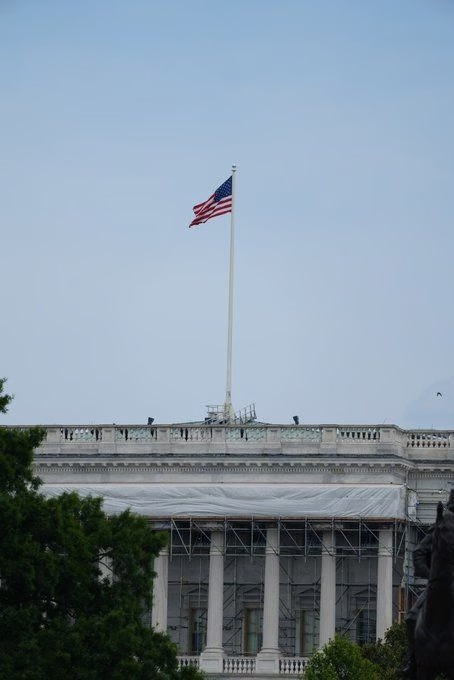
(439, 394)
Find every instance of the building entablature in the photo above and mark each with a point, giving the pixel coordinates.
(419, 461)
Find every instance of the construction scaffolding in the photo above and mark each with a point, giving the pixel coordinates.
(301, 544)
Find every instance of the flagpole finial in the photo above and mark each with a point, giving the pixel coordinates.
(233, 168)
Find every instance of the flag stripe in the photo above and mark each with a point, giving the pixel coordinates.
(201, 206)
(212, 206)
(219, 210)
(214, 210)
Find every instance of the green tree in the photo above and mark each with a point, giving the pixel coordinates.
(340, 659)
(388, 654)
(75, 583)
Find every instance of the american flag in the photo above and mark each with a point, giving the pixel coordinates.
(219, 203)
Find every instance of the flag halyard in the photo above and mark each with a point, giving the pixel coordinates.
(218, 203)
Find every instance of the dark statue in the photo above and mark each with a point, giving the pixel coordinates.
(430, 622)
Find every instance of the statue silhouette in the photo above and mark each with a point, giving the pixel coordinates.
(434, 631)
(430, 558)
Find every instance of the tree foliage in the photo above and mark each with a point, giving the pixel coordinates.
(340, 659)
(5, 399)
(388, 654)
(75, 583)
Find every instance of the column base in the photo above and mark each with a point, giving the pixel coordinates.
(267, 661)
(212, 660)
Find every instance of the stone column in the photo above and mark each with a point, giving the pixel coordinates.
(384, 582)
(268, 657)
(328, 589)
(160, 591)
(212, 657)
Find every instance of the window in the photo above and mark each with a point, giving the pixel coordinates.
(365, 626)
(252, 632)
(307, 631)
(197, 630)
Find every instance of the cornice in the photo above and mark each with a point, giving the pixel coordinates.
(431, 473)
(225, 467)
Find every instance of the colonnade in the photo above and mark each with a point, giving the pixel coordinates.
(267, 661)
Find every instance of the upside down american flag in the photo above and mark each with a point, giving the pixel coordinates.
(218, 203)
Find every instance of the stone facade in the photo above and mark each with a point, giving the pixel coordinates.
(244, 593)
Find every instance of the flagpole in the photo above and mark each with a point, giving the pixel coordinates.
(228, 390)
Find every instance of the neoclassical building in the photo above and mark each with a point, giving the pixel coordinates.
(279, 535)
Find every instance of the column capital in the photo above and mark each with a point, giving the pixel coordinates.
(272, 541)
(217, 543)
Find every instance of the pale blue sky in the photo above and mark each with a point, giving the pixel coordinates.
(116, 116)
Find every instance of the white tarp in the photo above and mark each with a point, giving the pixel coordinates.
(246, 500)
